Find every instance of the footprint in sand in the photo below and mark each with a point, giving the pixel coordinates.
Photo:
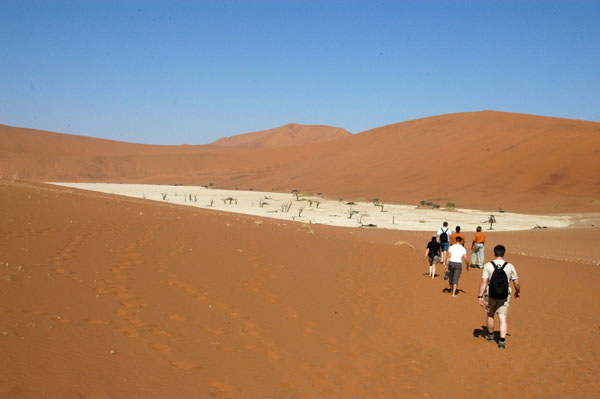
(136, 322)
(94, 396)
(130, 332)
(99, 322)
(162, 347)
(221, 390)
(162, 333)
(184, 365)
(213, 330)
(122, 311)
(233, 315)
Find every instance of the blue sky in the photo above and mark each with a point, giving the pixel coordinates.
(190, 72)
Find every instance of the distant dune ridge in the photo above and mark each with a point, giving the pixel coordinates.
(283, 136)
(483, 160)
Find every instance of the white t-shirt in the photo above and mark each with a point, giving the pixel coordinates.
(457, 252)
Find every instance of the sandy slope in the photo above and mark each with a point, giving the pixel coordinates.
(480, 160)
(106, 297)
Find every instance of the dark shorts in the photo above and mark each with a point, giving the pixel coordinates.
(455, 270)
(445, 246)
(497, 305)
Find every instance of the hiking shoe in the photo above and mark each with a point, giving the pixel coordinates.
(502, 345)
(490, 337)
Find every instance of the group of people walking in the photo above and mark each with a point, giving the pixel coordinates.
(449, 249)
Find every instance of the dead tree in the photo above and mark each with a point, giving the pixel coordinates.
(351, 212)
(300, 210)
(491, 221)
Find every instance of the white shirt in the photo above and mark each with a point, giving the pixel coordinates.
(457, 252)
(448, 231)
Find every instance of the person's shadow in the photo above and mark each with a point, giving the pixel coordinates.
(482, 333)
(458, 291)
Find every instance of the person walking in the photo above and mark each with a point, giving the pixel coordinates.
(457, 234)
(443, 237)
(458, 255)
(494, 292)
(433, 252)
(478, 248)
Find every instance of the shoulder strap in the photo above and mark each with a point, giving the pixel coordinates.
(502, 267)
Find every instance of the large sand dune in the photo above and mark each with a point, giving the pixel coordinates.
(112, 297)
(104, 296)
(481, 160)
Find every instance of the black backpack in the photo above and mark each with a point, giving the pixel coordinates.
(498, 283)
(444, 236)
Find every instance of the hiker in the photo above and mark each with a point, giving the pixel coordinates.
(495, 285)
(433, 252)
(457, 234)
(443, 237)
(478, 248)
(458, 254)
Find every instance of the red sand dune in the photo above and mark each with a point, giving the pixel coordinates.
(284, 136)
(482, 160)
(108, 297)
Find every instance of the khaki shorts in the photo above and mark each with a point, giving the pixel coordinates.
(497, 305)
(434, 260)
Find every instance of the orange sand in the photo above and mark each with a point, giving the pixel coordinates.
(110, 297)
(107, 297)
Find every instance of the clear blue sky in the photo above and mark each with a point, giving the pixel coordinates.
(175, 72)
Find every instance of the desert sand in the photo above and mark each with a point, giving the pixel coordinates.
(109, 296)
(113, 297)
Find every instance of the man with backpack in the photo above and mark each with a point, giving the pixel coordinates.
(443, 235)
(496, 288)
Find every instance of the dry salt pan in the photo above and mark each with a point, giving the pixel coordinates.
(316, 210)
